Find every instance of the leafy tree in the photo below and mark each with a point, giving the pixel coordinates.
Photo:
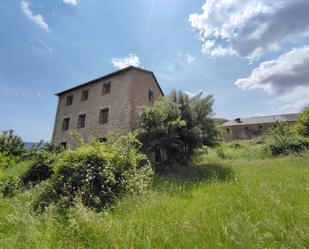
(178, 124)
(11, 144)
(302, 124)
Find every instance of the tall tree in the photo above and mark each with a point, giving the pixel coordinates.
(177, 125)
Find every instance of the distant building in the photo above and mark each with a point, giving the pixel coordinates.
(248, 128)
(109, 103)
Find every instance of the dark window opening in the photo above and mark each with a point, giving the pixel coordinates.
(69, 100)
(103, 119)
(158, 156)
(103, 139)
(150, 96)
(228, 131)
(84, 95)
(64, 144)
(81, 121)
(66, 124)
(106, 88)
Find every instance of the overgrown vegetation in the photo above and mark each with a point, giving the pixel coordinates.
(230, 195)
(176, 126)
(98, 173)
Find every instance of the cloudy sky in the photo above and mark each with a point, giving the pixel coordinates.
(252, 55)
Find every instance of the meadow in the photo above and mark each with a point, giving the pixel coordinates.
(232, 197)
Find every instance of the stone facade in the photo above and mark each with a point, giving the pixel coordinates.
(130, 88)
(249, 128)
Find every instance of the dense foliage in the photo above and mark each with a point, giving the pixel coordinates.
(11, 144)
(302, 124)
(98, 173)
(177, 125)
(283, 140)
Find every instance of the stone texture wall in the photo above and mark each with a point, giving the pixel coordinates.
(129, 89)
(141, 84)
(246, 132)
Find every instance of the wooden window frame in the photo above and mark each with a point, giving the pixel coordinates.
(66, 124)
(106, 88)
(102, 119)
(81, 123)
(84, 95)
(69, 100)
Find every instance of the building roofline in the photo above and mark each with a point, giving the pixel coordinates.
(110, 75)
(229, 124)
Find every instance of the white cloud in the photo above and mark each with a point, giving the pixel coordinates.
(71, 2)
(249, 28)
(288, 71)
(131, 60)
(38, 19)
(190, 58)
(293, 101)
(287, 76)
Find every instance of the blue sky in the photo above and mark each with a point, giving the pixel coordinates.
(251, 55)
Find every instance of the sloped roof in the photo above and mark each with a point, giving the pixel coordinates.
(262, 120)
(110, 75)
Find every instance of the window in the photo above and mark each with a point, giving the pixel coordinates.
(106, 88)
(81, 121)
(84, 95)
(228, 131)
(66, 124)
(69, 100)
(103, 119)
(150, 96)
(64, 144)
(246, 129)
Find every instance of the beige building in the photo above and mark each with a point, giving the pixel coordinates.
(109, 103)
(249, 128)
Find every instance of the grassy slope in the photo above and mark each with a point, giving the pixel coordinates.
(232, 203)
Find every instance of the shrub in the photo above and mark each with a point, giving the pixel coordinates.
(302, 124)
(282, 140)
(9, 186)
(7, 160)
(98, 172)
(11, 144)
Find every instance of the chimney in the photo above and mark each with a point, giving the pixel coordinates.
(238, 120)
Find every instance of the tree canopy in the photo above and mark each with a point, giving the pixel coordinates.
(177, 124)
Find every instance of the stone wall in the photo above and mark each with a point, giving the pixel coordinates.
(129, 90)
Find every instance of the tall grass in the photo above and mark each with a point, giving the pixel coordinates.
(233, 203)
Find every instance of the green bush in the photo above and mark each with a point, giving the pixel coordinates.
(11, 144)
(283, 140)
(98, 173)
(7, 160)
(9, 186)
(302, 124)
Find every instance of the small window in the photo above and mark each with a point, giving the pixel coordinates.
(69, 100)
(66, 124)
(228, 131)
(246, 129)
(64, 145)
(81, 121)
(106, 88)
(84, 95)
(103, 119)
(260, 127)
(150, 96)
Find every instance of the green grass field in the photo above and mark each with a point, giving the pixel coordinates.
(239, 200)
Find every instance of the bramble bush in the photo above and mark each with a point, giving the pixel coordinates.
(99, 173)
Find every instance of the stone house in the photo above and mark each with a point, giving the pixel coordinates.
(109, 103)
(249, 128)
